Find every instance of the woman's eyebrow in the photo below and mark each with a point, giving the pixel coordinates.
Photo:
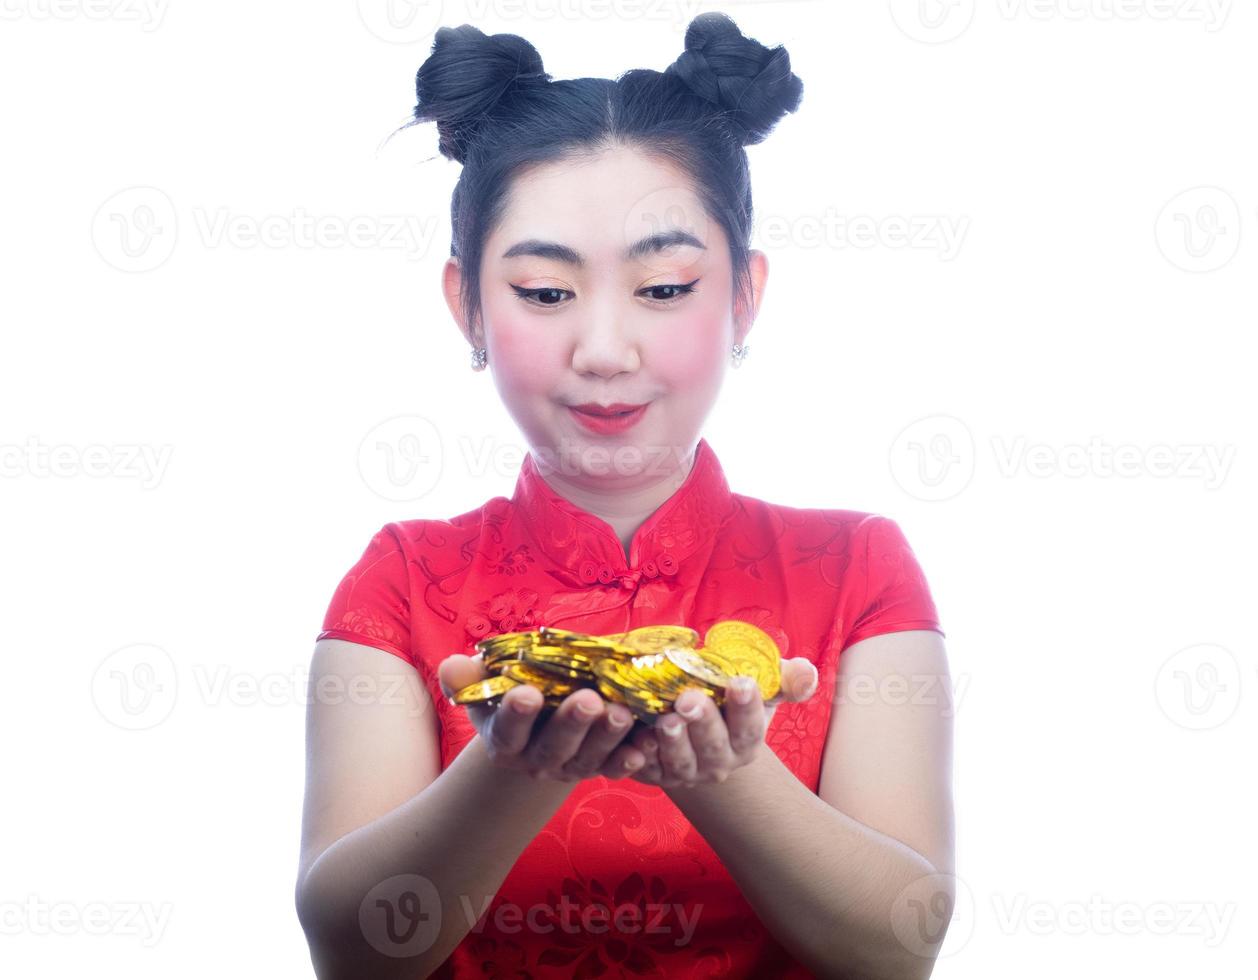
(649, 245)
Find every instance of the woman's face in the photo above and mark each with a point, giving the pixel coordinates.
(581, 305)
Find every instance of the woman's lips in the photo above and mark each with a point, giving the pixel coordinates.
(609, 419)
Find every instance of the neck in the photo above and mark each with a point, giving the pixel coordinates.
(625, 503)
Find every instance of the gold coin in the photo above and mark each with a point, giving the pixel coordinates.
(506, 640)
(662, 682)
(612, 672)
(653, 639)
(495, 660)
(508, 646)
(695, 665)
(546, 683)
(485, 690)
(550, 634)
(566, 658)
(646, 668)
(558, 670)
(618, 682)
(741, 649)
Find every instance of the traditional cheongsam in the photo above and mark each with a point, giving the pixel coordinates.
(816, 580)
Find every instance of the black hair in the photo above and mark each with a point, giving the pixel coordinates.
(498, 112)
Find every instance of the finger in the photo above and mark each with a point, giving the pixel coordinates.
(457, 671)
(646, 743)
(561, 737)
(799, 679)
(677, 758)
(624, 760)
(600, 741)
(709, 738)
(510, 725)
(745, 716)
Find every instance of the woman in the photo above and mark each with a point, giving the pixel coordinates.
(600, 267)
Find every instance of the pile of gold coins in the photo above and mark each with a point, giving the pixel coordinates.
(645, 669)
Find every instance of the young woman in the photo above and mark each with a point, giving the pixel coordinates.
(600, 268)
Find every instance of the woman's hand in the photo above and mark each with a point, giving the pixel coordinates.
(576, 742)
(710, 743)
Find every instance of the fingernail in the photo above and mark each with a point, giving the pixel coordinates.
(649, 745)
(692, 710)
(586, 710)
(742, 689)
(671, 728)
(629, 764)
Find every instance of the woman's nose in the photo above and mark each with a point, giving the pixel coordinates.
(605, 346)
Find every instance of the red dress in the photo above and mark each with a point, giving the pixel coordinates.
(817, 580)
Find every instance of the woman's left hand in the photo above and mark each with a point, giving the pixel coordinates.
(708, 743)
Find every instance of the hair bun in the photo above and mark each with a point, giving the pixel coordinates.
(466, 76)
(750, 84)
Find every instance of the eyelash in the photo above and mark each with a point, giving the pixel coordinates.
(683, 289)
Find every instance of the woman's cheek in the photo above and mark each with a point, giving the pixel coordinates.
(523, 354)
(689, 357)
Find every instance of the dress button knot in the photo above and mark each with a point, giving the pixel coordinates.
(588, 571)
(667, 563)
(650, 569)
(605, 574)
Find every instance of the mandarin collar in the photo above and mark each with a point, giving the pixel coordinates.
(679, 532)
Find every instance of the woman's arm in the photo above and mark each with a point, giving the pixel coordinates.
(857, 881)
(378, 806)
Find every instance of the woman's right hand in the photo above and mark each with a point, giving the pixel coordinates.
(580, 739)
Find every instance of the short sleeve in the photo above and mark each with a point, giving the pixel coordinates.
(897, 596)
(372, 604)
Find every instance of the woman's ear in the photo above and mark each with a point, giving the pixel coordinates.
(744, 317)
(451, 288)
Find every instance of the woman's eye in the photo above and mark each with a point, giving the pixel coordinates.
(533, 295)
(661, 295)
(681, 290)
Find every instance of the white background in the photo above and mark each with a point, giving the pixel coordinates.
(1095, 161)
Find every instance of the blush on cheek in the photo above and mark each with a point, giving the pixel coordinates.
(530, 365)
(527, 359)
(689, 357)
(512, 344)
